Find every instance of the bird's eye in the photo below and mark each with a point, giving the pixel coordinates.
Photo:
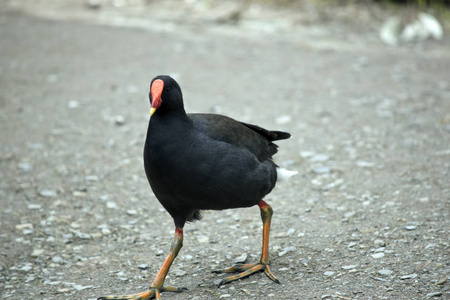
(167, 89)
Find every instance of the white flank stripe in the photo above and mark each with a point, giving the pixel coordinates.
(285, 173)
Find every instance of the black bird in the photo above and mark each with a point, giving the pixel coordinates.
(198, 162)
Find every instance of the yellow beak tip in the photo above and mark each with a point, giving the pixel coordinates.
(152, 111)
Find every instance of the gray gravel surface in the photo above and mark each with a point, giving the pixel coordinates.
(367, 217)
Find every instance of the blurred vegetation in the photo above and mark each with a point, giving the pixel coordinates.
(420, 3)
(436, 4)
(428, 3)
(441, 8)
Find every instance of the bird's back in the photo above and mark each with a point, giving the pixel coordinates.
(255, 139)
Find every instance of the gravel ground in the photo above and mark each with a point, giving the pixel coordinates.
(367, 217)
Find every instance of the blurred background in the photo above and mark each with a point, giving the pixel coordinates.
(362, 86)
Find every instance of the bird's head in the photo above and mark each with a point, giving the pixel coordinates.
(165, 94)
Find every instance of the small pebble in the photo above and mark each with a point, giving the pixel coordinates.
(410, 227)
(92, 178)
(80, 287)
(35, 146)
(25, 167)
(378, 255)
(320, 157)
(47, 193)
(57, 259)
(67, 238)
(283, 119)
(349, 214)
(94, 4)
(119, 120)
(385, 272)
(28, 226)
(33, 206)
(36, 252)
(441, 281)
(290, 231)
(27, 267)
(424, 199)
(78, 194)
(351, 244)
(75, 225)
(379, 243)
(410, 276)
(73, 104)
(120, 274)
(131, 212)
(307, 154)
(203, 239)
(328, 273)
(322, 169)
(27, 231)
(286, 250)
(364, 164)
(349, 267)
(436, 294)
(241, 259)
(111, 205)
(179, 273)
(82, 235)
(132, 89)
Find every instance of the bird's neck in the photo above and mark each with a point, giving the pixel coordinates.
(169, 122)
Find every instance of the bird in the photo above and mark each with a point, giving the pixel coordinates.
(199, 162)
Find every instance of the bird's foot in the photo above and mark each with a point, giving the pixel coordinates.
(152, 293)
(247, 270)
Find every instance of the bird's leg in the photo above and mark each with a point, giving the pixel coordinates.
(263, 265)
(157, 285)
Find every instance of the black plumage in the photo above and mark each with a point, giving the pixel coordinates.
(197, 162)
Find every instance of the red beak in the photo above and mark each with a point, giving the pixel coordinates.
(156, 91)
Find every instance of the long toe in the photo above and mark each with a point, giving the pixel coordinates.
(248, 270)
(140, 296)
(173, 289)
(235, 268)
(270, 275)
(153, 293)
